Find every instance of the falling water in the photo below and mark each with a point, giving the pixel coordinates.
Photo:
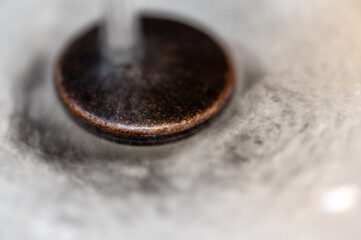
(121, 37)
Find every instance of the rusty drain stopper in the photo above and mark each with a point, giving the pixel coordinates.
(183, 80)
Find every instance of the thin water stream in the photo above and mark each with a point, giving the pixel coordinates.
(121, 37)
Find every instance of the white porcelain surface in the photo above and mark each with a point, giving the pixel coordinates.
(282, 162)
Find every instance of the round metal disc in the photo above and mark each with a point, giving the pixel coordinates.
(183, 80)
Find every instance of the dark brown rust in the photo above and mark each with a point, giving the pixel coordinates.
(184, 79)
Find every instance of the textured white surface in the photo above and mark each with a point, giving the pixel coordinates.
(282, 162)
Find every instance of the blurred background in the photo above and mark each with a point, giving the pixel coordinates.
(281, 162)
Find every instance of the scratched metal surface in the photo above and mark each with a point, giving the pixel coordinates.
(282, 162)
